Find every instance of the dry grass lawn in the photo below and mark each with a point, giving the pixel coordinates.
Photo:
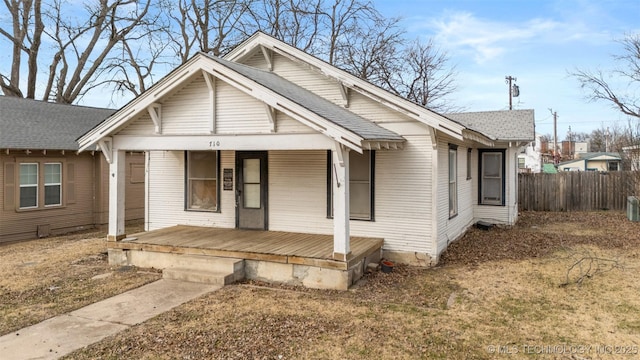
(498, 294)
(43, 278)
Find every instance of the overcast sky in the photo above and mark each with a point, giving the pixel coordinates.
(538, 42)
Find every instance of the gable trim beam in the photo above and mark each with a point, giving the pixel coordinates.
(155, 111)
(271, 116)
(211, 85)
(106, 148)
(344, 91)
(268, 55)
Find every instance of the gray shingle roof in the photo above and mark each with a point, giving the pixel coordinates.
(499, 125)
(312, 102)
(39, 125)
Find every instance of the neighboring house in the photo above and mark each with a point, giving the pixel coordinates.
(530, 157)
(46, 186)
(633, 154)
(596, 161)
(272, 138)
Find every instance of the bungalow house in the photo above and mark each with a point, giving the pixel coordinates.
(46, 186)
(596, 161)
(300, 170)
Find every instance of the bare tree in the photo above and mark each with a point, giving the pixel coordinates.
(424, 76)
(374, 51)
(599, 84)
(25, 36)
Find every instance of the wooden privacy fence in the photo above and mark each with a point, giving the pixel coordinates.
(577, 191)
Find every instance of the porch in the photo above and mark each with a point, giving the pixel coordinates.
(275, 256)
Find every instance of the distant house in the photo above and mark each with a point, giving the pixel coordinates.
(632, 153)
(530, 157)
(311, 159)
(596, 161)
(46, 186)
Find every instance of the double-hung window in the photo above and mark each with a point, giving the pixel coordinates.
(453, 181)
(52, 184)
(40, 188)
(361, 185)
(28, 185)
(202, 180)
(491, 177)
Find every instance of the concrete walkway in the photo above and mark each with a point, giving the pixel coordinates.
(60, 335)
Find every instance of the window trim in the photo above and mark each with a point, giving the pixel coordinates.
(481, 152)
(186, 181)
(469, 157)
(45, 184)
(372, 172)
(36, 185)
(452, 175)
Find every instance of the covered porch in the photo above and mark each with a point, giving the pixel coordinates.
(278, 256)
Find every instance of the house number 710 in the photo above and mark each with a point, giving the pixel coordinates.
(214, 144)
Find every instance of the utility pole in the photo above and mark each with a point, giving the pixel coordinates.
(570, 144)
(514, 90)
(556, 158)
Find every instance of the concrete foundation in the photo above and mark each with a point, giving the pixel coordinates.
(410, 258)
(274, 272)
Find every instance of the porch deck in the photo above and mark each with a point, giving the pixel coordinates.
(271, 246)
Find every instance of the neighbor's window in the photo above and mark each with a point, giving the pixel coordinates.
(52, 184)
(492, 177)
(361, 185)
(28, 185)
(202, 180)
(613, 166)
(453, 186)
(521, 163)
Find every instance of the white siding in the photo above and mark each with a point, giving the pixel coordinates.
(298, 192)
(141, 125)
(449, 229)
(166, 193)
(187, 110)
(307, 78)
(239, 113)
(298, 195)
(373, 110)
(287, 125)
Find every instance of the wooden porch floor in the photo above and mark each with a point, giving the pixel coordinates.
(273, 246)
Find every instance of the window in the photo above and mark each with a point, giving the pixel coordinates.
(521, 164)
(202, 180)
(28, 185)
(469, 164)
(361, 185)
(613, 166)
(52, 184)
(491, 177)
(453, 186)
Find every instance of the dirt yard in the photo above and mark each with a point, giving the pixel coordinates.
(557, 285)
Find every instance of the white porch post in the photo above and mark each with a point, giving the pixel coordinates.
(341, 233)
(116, 195)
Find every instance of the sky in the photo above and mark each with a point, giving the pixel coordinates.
(539, 42)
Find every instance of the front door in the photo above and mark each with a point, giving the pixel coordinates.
(251, 190)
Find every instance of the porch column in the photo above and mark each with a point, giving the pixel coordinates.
(341, 233)
(116, 195)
